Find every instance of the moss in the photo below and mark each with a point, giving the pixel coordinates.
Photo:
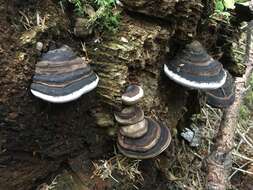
(104, 19)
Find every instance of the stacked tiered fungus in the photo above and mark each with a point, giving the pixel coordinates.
(61, 76)
(139, 137)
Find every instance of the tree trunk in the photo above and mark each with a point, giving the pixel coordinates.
(38, 138)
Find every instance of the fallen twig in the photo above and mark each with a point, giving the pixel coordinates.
(236, 170)
(219, 161)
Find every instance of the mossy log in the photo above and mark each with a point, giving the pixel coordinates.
(39, 137)
(36, 134)
(184, 13)
(135, 54)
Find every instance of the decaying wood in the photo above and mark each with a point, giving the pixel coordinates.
(49, 135)
(138, 46)
(219, 160)
(184, 13)
(135, 55)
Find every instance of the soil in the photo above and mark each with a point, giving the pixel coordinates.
(38, 140)
(32, 152)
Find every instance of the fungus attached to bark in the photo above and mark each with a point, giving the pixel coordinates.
(129, 116)
(136, 130)
(222, 97)
(151, 144)
(132, 95)
(61, 77)
(139, 137)
(194, 68)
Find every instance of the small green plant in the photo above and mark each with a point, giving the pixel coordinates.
(105, 2)
(105, 18)
(78, 4)
(223, 5)
(109, 20)
(244, 113)
(79, 7)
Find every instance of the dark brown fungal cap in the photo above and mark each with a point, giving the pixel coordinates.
(144, 143)
(161, 144)
(129, 116)
(59, 64)
(65, 53)
(224, 96)
(62, 89)
(194, 68)
(66, 67)
(61, 77)
(132, 95)
(136, 130)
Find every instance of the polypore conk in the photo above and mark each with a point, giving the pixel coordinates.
(139, 137)
(132, 95)
(61, 76)
(146, 142)
(194, 68)
(222, 97)
(151, 144)
(129, 116)
(136, 130)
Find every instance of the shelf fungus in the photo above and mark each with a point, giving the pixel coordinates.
(195, 69)
(222, 97)
(143, 140)
(130, 115)
(61, 76)
(132, 95)
(140, 137)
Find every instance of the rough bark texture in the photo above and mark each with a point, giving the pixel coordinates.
(137, 46)
(37, 138)
(135, 55)
(185, 14)
(220, 159)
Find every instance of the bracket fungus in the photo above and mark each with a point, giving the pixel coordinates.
(132, 95)
(153, 142)
(61, 76)
(222, 97)
(194, 68)
(140, 137)
(129, 115)
(136, 130)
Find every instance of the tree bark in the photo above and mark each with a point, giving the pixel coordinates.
(184, 13)
(37, 138)
(41, 136)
